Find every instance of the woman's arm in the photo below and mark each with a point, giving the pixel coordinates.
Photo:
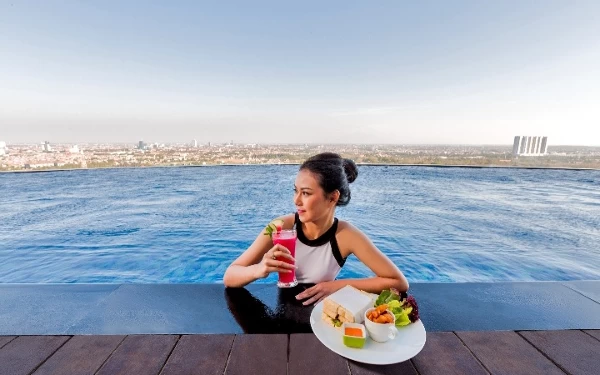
(387, 274)
(252, 265)
(353, 241)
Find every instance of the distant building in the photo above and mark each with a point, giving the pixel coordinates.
(194, 143)
(74, 149)
(544, 146)
(3, 148)
(530, 146)
(141, 145)
(46, 147)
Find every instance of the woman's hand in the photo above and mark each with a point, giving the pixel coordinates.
(272, 262)
(319, 291)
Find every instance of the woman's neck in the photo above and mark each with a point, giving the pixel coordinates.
(315, 229)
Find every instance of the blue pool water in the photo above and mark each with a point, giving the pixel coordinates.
(185, 225)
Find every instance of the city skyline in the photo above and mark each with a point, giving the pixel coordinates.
(273, 73)
(224, 140)
(198, 143)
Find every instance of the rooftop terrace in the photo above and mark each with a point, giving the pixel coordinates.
(473, 328)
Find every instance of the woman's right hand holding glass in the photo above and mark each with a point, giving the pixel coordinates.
(272, 261)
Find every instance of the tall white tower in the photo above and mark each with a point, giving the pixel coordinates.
(544, 148)
(530, 146)
(517, 145)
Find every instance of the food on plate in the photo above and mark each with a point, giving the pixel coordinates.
(354, 335)
(380, 315)
(380, 324)
(356, 332)
(405, 309)
(347, 305)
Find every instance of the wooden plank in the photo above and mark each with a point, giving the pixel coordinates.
(5, 340)
(80, 356)
(574, 351)
(199, 354)
(309, 356)
(140, 354)
(260, 354)
(25, 353)
(402, 368)
(507, 353)
(445, 354)
(595, 333)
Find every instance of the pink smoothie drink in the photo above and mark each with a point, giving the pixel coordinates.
(286, 238)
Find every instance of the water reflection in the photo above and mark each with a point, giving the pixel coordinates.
(269, 310)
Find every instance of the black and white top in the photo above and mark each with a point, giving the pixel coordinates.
(319, 259)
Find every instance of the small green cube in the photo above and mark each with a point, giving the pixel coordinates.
(353, 341)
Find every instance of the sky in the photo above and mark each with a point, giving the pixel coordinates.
(391, 72)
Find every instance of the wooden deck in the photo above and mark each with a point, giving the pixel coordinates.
(482, 352)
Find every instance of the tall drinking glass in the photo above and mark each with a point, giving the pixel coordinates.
(286, 238)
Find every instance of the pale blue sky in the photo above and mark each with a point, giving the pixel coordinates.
(472, 72)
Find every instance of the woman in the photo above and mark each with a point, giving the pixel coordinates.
(323, 243)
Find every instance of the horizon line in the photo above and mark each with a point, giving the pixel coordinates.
(283, 143)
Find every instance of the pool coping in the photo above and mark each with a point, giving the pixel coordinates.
(109, 309)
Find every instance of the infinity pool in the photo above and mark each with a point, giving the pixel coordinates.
(185, 225)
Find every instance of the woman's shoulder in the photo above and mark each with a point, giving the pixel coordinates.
(345, 228)
(348, 236)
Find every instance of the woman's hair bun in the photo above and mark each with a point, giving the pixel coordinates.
(350, 169)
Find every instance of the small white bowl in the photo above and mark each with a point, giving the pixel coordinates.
(381, 332)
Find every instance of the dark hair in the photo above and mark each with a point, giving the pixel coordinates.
(333, 173)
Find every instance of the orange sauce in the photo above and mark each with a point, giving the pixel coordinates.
(356, 332)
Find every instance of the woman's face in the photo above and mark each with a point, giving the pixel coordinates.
(310, 199)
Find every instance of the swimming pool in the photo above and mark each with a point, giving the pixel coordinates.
(185, 225)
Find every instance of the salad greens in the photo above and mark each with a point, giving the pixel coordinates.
(405, 310)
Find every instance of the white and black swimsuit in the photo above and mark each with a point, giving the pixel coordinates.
(319, 259)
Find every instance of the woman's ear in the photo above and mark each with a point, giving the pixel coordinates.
(334, 196)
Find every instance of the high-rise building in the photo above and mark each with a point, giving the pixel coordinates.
(3, 148)
(194, 143)
(544, 147)
(46, 147)
(141, 145)
(517, 145)
(530, 146)
(523, 141)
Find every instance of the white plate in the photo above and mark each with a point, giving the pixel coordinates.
(408, 342)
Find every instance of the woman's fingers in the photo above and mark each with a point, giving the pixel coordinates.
(277, 269)
(310, 293)
(281, 254)
(277, 260)
(281, 249)
(313, 299)
(281, 264)
(307, 293)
